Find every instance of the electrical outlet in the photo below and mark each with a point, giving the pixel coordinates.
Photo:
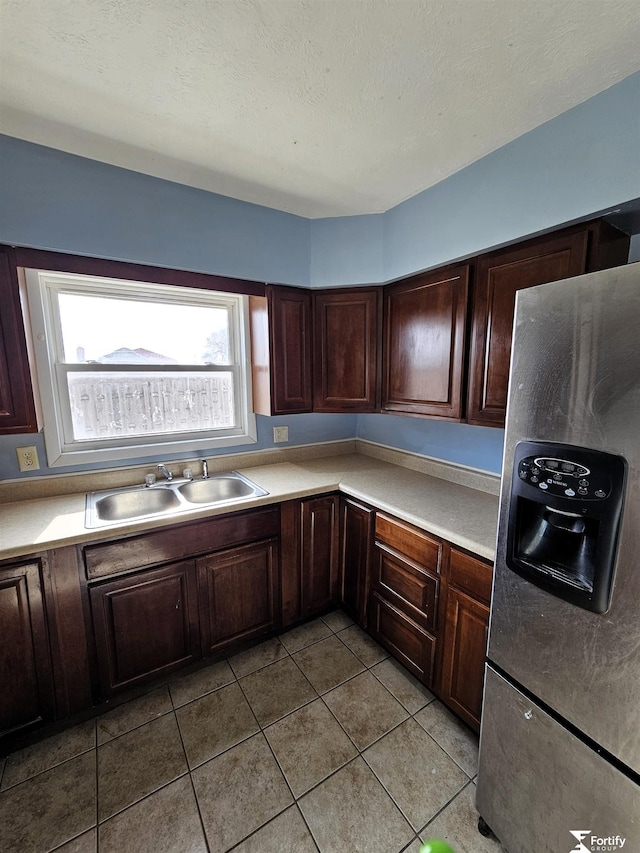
(27, 458)
(280, 433)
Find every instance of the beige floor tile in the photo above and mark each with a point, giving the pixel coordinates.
(337, 620)
(458, 826)
(309, 745)
(365, 709)
(48, 753)
(261, 655)
(276, 690)
(352, 812)
(453, 735)
(239, 791)
(199, 683)
(85, 843)
(414, 847)
(133, 714)
(51, 808)
(138, 763)
(214, 723)
(419, 775)
(328, 663)
(363, 647)
(304, 635)
(408, 690)
(166, 822)
(286, 833)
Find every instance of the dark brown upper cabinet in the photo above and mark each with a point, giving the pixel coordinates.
(281, 351)
(424, 343)
(346, 350)
(17, 410)
(499, 276)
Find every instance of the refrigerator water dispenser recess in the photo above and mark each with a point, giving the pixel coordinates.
(564, 520)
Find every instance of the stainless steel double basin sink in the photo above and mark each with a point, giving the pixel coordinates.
(167, 498)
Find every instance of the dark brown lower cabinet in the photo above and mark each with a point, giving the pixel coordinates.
(356, 543)
(404, 638)
(405, 585)
(319, 553)
(239, 594)
(145, 624)
(26, 697)
(465, 635)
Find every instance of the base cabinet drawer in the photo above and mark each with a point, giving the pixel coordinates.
(145, 625)
(405, 639)
(408, 586)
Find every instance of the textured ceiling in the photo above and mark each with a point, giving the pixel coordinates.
(317, 107)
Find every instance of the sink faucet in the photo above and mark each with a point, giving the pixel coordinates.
(164, 470)
(205, 469)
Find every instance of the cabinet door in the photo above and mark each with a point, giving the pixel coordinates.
(145, 625)
(346, 351)
(319, 517)
(356, 527)
(26, 698)
(281, 351)
(465, 642)
(238, 593)
(424, 341)
(499, 277)
(17, 411)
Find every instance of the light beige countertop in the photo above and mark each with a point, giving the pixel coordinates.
(465, 516)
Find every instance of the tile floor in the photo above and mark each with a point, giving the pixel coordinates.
(314, 741)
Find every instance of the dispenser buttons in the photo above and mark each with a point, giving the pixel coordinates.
(600, 494)
(570, 493)
(543, 485)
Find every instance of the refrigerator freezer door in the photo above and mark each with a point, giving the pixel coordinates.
(540, 782)
(575, 379)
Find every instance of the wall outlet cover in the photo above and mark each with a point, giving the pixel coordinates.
(280, 433)
(28, 458)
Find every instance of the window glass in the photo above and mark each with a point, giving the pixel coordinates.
(127, 331)
(124, 366)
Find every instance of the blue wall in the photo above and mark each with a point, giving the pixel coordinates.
(303, 429)
(53, 200)
(585, 161)
(478, 447)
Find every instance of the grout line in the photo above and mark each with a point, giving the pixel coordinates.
(445, 806)
(97, 789)
(47, 769)
(197, 802)
(143, 798)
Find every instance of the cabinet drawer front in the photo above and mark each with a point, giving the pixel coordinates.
(408, 642)
(409, 541)
(409, 587)
(173, 543)
(472, 575)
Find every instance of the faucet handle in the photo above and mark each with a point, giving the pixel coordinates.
(149, 479)
(205, 469)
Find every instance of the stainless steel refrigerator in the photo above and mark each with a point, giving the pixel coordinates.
(559, 767)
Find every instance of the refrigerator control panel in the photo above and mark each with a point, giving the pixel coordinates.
(564, 518)
(565, 478)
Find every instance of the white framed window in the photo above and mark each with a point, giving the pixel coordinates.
(129, 369)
